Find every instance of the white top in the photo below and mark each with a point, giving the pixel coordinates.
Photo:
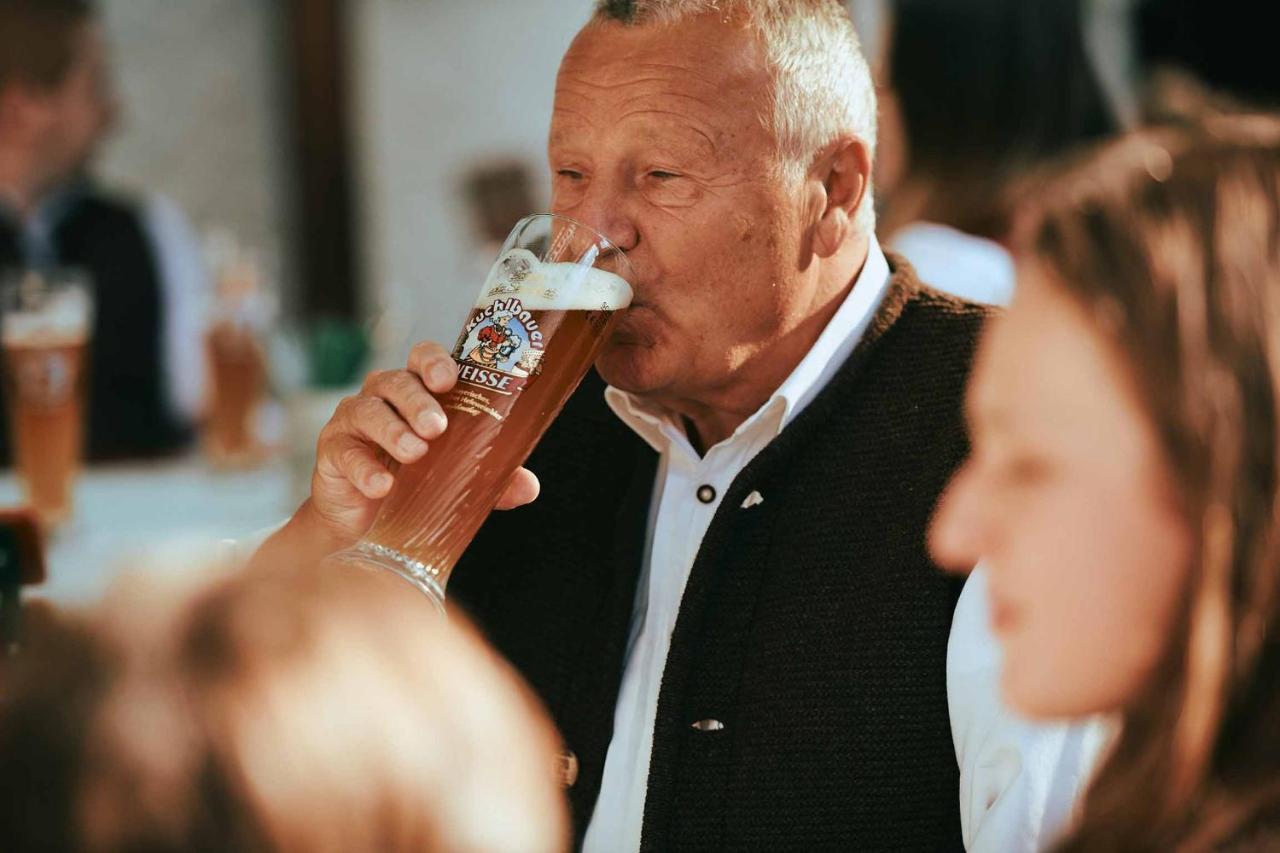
(1020, 782)
(1004, 804)
(961, 264)
(185, 289)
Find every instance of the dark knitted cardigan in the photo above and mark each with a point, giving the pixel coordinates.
(813, 627)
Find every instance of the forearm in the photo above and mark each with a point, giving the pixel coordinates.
(303, 540)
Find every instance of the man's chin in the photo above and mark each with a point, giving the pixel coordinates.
(628, 367)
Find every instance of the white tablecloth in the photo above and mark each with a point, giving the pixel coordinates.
(171, 512)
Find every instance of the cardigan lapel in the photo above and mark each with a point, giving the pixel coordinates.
(690, 622)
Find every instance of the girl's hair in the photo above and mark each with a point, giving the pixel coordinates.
(987, 91)
(318, 710)
(1171, 240)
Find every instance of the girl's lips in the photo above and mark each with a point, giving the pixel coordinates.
(1004, 616)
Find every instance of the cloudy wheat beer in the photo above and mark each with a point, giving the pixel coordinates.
(45, 334)
(239, 372)
(541, 319)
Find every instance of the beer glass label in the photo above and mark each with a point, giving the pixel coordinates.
(45, 378)
(500, 348)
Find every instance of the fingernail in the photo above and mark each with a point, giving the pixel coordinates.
(411, 444)
(379, 482)
(432, 424)
(443, 373)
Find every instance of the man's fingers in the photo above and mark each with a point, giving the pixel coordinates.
(522, 489)
(405, 392)
(433, 363)
(373, 419)
(355, 461)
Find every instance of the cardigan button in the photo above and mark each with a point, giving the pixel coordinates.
(706, 494)
(708, 726)
(567, 768)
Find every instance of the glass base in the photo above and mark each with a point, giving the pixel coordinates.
(370, 556)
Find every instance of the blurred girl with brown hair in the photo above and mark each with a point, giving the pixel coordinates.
(1124, 488)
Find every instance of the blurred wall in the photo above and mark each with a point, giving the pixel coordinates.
(438, 86)
(200, 83)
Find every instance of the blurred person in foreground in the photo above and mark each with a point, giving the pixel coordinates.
(724, 595)
(1123, 488)
(277, 710)
(56, 109)
(972, 96)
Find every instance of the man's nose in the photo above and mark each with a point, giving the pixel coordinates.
(607, 209)
(957, 530)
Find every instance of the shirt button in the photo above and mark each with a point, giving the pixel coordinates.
(706, 494)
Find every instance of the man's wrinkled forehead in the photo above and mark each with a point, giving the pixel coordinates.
(699, 67)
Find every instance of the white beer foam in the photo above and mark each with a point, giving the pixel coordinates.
(64, 319)
(554, 287)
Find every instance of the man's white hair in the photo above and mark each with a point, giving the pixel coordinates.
(822, 85)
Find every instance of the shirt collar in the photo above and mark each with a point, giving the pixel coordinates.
(36, 229)
(660, 428)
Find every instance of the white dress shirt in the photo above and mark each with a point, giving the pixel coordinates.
(687, 491)
(186, 295)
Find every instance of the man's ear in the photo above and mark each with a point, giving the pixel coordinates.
(845, 171)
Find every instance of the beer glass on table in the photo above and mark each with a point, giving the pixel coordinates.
(45, 322)
(234, 344)
(541, 318)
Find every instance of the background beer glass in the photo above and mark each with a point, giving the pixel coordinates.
(45, 322)
(236, 354)
(544, 312)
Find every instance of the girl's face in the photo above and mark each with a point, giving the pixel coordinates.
(1067, 501)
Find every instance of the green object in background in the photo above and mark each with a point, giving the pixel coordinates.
(337, 351)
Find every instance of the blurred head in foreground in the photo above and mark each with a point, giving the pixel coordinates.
(1123, 488)
(275, 711)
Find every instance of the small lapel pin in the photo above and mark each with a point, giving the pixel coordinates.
(567, 768)
(708, 726)
(753, 499)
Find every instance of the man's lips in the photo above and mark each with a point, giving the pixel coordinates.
(625, 328)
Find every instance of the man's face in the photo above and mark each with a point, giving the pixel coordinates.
(72, 118)
(659, 141)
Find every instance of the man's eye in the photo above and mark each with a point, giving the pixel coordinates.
(571, 174)
(661, 175)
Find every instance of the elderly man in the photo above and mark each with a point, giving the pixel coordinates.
(723, 595)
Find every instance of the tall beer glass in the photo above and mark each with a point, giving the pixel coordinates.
(544, 311)
(45, 320)
(237, 360)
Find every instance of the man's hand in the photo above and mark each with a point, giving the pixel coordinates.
(395, 416)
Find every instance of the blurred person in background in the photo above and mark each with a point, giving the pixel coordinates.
(724, 595)
(1202, 57)
(56, 108)
(1125, 477)
(274, 710)
(972, 95)
(972, 98)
